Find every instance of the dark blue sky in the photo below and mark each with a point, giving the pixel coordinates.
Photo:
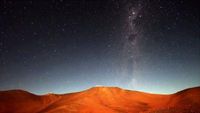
(64, 46)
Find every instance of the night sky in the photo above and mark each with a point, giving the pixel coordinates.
(65, 46)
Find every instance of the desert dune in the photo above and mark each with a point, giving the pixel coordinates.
(101, 100)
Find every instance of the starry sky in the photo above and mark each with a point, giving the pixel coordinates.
(63, 46)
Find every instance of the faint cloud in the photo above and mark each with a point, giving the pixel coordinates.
(133, 84)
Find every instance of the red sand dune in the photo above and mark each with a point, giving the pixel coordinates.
(101, 100)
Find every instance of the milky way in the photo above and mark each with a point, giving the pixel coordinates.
(130, 54)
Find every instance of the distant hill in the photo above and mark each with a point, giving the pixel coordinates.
(101, 100)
